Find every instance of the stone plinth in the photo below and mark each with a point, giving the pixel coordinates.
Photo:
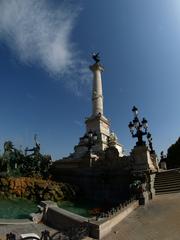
(143, 163)
(142, 159)
(101, 126)
(163, 165)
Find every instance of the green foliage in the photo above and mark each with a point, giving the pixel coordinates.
(36, 189)
(173, 155)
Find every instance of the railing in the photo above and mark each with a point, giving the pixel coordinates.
(115, 210)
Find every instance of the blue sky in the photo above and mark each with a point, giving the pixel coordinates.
(45, 49)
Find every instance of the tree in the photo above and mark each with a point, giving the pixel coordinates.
(173, 155)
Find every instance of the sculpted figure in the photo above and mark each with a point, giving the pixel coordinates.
(96, 57)
(112, 139)
(35, 150)
(8, 160)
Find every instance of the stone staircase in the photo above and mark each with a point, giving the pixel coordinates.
(167, 182)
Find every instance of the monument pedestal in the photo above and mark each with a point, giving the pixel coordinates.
(143, 164)
(142, 159)
(101, 126)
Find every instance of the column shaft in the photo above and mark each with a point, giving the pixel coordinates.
(97, 94)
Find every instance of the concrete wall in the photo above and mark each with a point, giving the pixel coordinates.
(100, 230)
(61, 219)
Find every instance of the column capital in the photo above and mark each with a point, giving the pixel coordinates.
(96, 67)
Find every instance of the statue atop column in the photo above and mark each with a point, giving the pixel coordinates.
(96, 57)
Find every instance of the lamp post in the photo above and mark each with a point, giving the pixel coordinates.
(138, 126)
(90, 139)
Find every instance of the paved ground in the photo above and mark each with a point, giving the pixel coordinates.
(159, 220)
(18, 229)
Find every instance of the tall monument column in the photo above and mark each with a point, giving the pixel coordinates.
(97, 94)
(97, 122)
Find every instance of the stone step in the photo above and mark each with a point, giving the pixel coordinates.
(167, 182)
(168, 172)
(168, 187)
(168, 192)
(167, 175)
(160, 193)
(166, 179)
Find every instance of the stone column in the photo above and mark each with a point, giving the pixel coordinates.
(97, 95)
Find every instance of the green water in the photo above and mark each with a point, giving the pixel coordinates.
(80, 208)
(16, 208)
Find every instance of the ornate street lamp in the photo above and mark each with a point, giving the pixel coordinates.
(90, 139)
(135, 111)
(138, 126)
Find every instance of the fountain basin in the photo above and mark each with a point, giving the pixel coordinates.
(16, 208)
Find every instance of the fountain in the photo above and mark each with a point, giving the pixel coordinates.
(25, 181)
(17, 208)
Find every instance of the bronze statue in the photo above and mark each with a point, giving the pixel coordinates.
(36, 149)
(8, 156)
(96, 57)
(11, 159)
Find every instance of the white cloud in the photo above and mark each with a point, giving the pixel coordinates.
(40, 33)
